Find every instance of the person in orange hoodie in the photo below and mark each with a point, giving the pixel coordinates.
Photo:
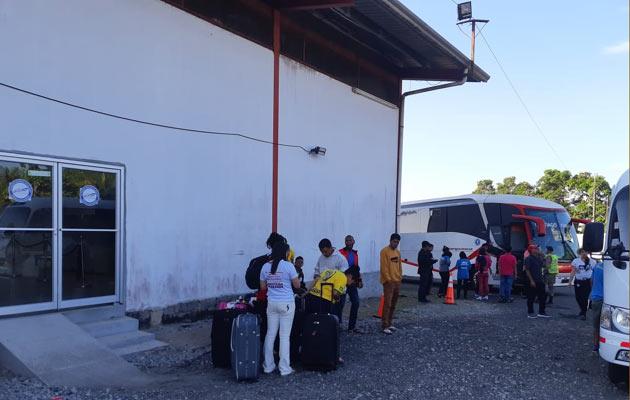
(391, 277)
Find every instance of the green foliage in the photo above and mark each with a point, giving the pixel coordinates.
(485, 187)
(574, 192)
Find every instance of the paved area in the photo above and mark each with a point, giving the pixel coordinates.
(469, 350)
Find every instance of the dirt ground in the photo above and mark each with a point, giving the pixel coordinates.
(472, 349)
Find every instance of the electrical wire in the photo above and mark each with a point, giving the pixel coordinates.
(523, 102)
(138, 121)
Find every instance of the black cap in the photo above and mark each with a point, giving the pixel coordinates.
(549, 248)
(426, 244)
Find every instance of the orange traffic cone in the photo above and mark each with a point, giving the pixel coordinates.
(450, 297)
(380, 308)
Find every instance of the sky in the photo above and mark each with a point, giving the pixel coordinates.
(568, 61)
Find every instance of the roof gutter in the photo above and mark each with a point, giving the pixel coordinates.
(401, 128)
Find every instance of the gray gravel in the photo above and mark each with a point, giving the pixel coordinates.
(469, 350)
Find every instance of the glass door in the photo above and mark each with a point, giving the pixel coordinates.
(89, 235)
(28, 238)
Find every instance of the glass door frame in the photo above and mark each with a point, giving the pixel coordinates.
(53, 304)
(88, 301)
(56, 165)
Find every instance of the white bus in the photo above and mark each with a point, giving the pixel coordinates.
(465, 223)
(614, 342)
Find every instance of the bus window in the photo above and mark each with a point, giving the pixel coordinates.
(437, 220)
(497, 234)
(493, 213)
(466, 219)
(518, 237)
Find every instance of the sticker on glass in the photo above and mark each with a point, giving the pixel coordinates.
(89, 195)
(20, 191)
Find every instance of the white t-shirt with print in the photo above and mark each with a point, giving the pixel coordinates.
(582, 270)
(279, 284)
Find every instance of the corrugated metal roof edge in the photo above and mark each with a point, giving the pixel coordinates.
(399, 8)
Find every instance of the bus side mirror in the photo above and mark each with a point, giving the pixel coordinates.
(593, 239)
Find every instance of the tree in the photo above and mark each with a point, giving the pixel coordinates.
(583, 187)
(508, 185)
(485, 187)
(524, 189)
(553, 185)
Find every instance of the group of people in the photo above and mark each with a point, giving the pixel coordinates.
(337, 275)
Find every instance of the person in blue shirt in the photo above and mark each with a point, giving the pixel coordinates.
(463, 276)
(445, 266)
(597, 299)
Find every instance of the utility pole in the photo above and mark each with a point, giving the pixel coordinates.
(594, 193)
(473, 22)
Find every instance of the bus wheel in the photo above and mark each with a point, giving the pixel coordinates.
(617, 373)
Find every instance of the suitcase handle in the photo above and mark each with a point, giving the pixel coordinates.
(332, 288)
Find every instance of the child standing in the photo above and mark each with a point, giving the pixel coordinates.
(463, 277)
(445, 266)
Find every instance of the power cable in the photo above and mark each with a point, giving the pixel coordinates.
(138, 121)
(523, 102)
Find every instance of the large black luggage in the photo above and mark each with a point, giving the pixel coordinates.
(221, 335)
(320, 341)
(245, 347)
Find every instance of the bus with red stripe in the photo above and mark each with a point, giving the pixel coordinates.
(465, 223)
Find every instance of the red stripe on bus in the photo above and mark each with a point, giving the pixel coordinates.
(602, 339)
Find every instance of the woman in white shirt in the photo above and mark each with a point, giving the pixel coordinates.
(278, 277)
(581, 272)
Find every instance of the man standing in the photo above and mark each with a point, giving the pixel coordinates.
(533, 270)
(352, 256)
(391, 276)
(330, 260)
(507, 271)
(551, 270)
(425, 269)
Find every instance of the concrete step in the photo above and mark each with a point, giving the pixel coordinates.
(137, 348)
(93, 314)
(109, 327)
(59, 353)
(126, 339)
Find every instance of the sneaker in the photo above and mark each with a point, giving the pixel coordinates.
(543, 315)
(393, 328)
(478, 297)
(532, 316)
(288, 373)
(340, 362)
(502, 301)
(485, 297)
(595, 349)
(387, 331)
(510, 300)
(357, 330)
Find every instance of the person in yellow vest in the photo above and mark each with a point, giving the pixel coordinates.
(391, 277)
(551, 270)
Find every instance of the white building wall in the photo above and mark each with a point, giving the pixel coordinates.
(193, 201)
(352, 189)
(198, 206)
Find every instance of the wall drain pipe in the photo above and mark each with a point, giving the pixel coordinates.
(401, 128)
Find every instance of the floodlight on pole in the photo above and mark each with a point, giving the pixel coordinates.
(464, 11)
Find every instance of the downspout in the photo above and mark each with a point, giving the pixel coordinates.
(401, 128)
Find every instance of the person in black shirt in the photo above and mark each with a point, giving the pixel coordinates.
(425, 269)
(533, 270)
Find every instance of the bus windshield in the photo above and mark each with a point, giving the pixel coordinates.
(560, 233)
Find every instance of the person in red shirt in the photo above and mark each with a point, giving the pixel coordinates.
(507, 269)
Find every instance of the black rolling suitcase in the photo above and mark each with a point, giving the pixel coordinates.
(221, 335)
(296, 329)
(320, 340)
(246, 347)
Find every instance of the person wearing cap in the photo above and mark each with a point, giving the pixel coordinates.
(533, 271)
(425, 269)
(551, 270)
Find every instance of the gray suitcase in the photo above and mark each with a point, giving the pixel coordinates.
(245, 347)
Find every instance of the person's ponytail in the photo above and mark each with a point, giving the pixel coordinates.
(278, 253)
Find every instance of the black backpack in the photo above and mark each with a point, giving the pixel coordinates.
(252, 276)
(480, 264)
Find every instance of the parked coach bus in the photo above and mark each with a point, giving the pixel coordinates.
(465, 223)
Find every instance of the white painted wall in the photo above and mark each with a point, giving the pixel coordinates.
(198, 207)
(193, 201)
(352, 189)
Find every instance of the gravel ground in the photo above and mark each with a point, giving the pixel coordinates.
(469, 350)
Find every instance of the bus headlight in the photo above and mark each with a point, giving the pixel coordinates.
(620, 320)
(606, 318)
